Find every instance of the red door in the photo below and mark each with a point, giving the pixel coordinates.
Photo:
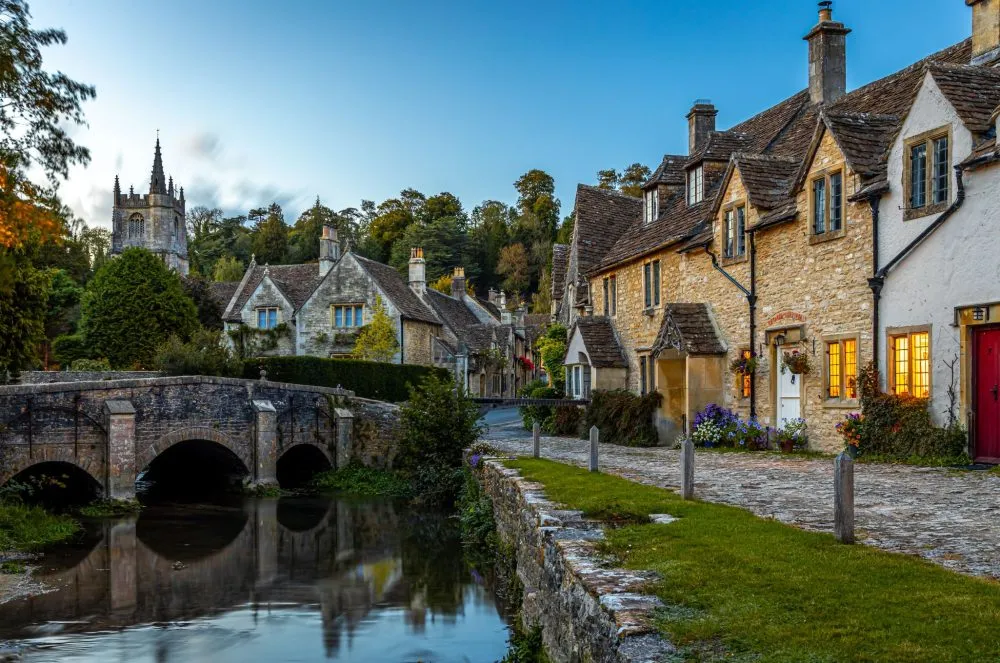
(987, 386)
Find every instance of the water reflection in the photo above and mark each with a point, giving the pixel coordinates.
(261, 580)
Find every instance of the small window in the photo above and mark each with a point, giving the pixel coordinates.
(696, 185)
(267, 318)
(827, 200)
(746, 378)
(642, 375)
(651, 205)
(734, 243)
(656, 283)
(842, 369)
(577, 380)
(927, 175)
(350, 315)
(910, 364)
(607, 296)
(651, 283)
(614, 296)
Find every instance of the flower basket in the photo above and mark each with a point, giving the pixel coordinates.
(743, 365)
(850, 431)
(795, 362)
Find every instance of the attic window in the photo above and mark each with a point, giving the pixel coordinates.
(651, 205)
(926, 173)
(696, 185)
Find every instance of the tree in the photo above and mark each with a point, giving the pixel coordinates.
(23, 309)
(552, 347)
(228, 269)
(209, 310)
(513, 265)
(63, 309)
(443, 284)
(204, 354)
(536, 197)
(633, 178)
(608, 179)
(541, 301)
(377, 340)
(270, 236)
(303, 239)
(444, 243)
(131, 306)
(491, 228)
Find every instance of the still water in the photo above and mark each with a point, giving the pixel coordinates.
(290, 579)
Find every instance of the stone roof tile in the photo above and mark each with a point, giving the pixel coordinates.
(689, 328)
(601, 342)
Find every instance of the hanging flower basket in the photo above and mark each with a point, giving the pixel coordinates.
(795, 362)
(526, 363)
(743, 365)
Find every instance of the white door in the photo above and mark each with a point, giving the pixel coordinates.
(789, 394)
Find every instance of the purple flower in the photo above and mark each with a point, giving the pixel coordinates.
(474, 461)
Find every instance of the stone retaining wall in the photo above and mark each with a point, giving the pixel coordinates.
(588, 611)
(52, 377)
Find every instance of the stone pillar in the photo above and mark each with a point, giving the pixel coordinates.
(536, 440)
(122, 571)
(687, 469)
(345, 436)
(265, 524)
(266, 443)
(119, 477)
(594, 437)
(843, 498)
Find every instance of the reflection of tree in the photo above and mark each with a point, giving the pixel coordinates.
(433, 565)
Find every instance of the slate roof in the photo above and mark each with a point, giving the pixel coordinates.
(535, 325)
(768, 179)
(221, 292)
(689, 328)
(479, 337)
(295, 282)
(392, 284)
(492, 308)
(974, 91)
(600, 340)
(601, 218)
(452, 312)
(560, 260)
(670, 171)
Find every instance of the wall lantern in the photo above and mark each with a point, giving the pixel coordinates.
(981, 313)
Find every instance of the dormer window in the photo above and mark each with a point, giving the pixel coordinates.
(651, 204)
(927, 178)
(696, 185)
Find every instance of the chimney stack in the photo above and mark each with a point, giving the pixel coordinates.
(329, 249)
(985, 30)
(418, 271)
(458, 283)
(828, 57)
(701, 122)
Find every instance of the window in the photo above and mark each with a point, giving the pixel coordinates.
(177, 226)
(842, 369)
(267, 318)
(734, 242)
(614, 296)
(643, 375)
(651, 283)
(747, 378)
(651, 205)
(927, 174)
(577, 380)
(910, 363)
(136, 226)
(350, 315)
(828, 204)
(696, 185)
(647, 382)
(607, 296)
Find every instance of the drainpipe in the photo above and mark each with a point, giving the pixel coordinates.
(875, 283)
(751, 296)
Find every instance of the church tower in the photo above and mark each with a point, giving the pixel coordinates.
(154, 221)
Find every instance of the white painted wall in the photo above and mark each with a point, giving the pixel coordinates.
(958, 265)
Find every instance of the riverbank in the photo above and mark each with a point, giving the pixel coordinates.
(23, 531)
(736, 587)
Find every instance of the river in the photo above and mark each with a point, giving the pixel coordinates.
(236, 580)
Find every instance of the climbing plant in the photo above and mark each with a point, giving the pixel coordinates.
(377, 340)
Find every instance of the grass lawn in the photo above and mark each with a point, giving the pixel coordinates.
(31, 527)
(742, 588)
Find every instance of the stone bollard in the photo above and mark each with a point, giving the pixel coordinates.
(536, 440)
(594, 437)
(843, 498)
(687, 470)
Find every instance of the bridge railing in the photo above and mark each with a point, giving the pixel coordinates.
(518, 402)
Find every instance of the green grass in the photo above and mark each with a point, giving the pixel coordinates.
(743, 588)
(362, 481)
(108, 508)
(31, 527)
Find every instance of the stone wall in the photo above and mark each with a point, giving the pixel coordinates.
(418, 342)
(587, 612)
(50, 377)
(376, 432)
(268, 295)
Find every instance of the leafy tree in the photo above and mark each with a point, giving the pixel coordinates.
(565, 233)
(270, 236)
(444, 243)
(443, 284)
(209, 310)
(204, 354)
(608, 179)
(541, 301)
(23, 309)
(228, 269)
(491, 228)
(63, 309)
(633, 178)
(303, 240)
(377, 340)
(552, 347)
(536, 198)
(131, 306)
(513, 265)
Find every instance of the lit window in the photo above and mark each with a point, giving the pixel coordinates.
(351, 315)
(747, 378)
(651, 205)
(927, 174)
(696, 185)
(842, 369)
(267, 318)
(910, 359)
(734, 241)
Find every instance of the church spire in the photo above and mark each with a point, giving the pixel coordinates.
(170, 186)
(118, 190)
(157, 182)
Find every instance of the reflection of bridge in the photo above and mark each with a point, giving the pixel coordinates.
(112, 430)
(342, 558)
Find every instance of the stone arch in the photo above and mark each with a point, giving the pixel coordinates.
(324, 449)
(297, 463)
(51, 453)
(192, 433)
(136, 226)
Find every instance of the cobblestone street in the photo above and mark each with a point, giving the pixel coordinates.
(946, 516)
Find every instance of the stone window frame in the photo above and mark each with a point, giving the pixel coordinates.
(743, 380)
(613, 281)
(926, 138)
(894, 333)
(695, 185)
(346, 305)
(733, 207)
(841, 401)
(647, 372)
(650, 205)
(826, 175)
(652, 282)
(266, 311)
(136, 226)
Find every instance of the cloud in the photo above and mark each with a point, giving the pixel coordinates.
(119, 161)
(204, 145)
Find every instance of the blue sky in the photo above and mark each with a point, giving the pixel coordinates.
(261, 101)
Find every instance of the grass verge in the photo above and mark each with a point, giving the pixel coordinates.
(360, 480)
(25, 527)
(743, 588)
(108, 508)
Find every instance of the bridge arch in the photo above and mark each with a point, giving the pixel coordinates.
(193, 434)
(297, 463)
(19, 461)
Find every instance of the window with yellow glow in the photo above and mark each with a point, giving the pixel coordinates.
(910, 358)
(834, 368)
(745, 390)
(842, 369)
(851, 368)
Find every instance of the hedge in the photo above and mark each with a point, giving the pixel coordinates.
(623, 418)
(367, 379)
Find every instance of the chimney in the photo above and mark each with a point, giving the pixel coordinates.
(418, 271)
(458, 283)
(701, 122)
(329, 249)
(520, 318)
(985, 30)
(491, 296)
(827, 57)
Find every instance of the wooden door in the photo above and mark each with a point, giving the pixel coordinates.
(987, 385)
(789, 393)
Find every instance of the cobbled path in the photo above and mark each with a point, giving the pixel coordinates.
(949, 517)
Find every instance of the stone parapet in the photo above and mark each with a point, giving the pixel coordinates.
(587, 610)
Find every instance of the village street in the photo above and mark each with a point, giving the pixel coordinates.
(946, 516)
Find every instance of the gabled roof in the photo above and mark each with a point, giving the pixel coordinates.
(295, 282)
(974, 91)
(560, 260)
(670, 171)
(489, 307)
(689, 328)
(600, 340)
(767, 179)
(221, 292)
(601, 217)
(452, 312)
(864, 138)
(479, 337)
(403, 298)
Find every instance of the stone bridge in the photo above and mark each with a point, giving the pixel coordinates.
(114, 429)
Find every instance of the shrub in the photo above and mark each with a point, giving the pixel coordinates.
(566, 420)
(552, 347)
(70, 348)
(367, 379)
(475, 512)
(622, 417)
(360, 480)
(204, 354)
(90, 365)
(540, 413)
